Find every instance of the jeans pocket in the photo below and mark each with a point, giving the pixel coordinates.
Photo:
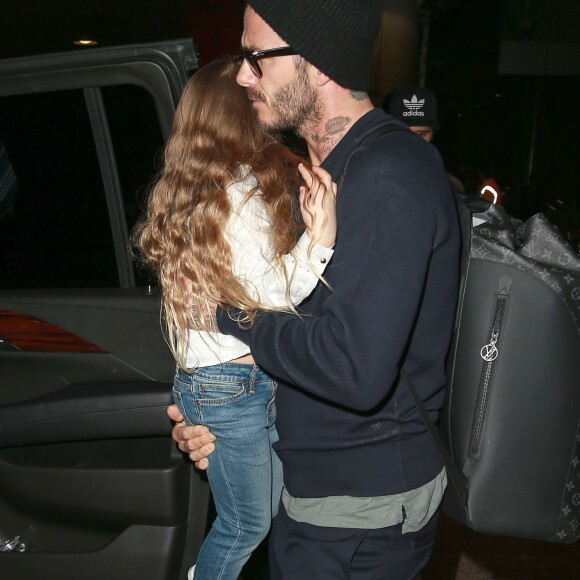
(214, 393)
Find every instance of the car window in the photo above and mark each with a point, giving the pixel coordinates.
(137, 142)
(55, 229)
(138, 145)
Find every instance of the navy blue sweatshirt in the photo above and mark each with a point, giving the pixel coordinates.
(347, 423)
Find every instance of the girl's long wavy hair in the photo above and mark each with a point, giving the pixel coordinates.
(180, 236)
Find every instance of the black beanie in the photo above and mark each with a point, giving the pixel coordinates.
(336, 36)
(414, 106)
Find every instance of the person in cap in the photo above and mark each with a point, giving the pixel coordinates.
(417, 108)
(363, 479)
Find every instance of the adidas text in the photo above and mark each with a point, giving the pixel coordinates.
(413, 114)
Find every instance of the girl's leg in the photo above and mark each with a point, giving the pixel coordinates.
(234, 406)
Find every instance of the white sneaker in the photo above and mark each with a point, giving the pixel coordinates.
(190, 573)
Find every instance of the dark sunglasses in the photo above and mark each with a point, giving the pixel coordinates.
(253, 56)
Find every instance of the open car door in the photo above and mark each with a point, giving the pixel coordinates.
(91, 484)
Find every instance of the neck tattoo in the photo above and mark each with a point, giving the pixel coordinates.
(359, 95)
(333, 132)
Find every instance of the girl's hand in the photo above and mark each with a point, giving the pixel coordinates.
(318, 205)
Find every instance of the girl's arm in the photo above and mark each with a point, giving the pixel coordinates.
(253, 257)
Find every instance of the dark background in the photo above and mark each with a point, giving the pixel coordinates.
(506, 74)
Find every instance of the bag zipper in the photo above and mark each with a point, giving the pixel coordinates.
(489, 353)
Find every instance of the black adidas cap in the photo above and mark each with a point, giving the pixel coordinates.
(414, 106)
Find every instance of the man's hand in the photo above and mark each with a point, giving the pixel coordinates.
(195, 440)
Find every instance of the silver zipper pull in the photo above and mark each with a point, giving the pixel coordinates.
(489, 351)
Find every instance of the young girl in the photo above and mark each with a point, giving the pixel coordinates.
(220, 227)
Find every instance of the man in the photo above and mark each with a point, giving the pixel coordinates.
(417, 108)
(363, 478)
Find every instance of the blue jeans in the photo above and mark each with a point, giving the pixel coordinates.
(236, 401)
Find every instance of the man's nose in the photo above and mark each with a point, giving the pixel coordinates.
(245, 77)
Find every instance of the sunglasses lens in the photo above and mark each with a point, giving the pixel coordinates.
(255, 67)
(252, 63)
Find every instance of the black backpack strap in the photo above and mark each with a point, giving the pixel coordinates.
(457, 479)
(383, 130)
(372, 136)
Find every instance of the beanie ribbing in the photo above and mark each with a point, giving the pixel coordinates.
(336, 36)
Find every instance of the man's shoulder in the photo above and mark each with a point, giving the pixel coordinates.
(379, 134)
(380, 126)
(400, 161)
(394, 148)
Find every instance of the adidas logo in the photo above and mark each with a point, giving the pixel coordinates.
(414, 105)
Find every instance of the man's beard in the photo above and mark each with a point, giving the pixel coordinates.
(295, 106)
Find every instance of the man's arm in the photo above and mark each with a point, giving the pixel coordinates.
(350, 351)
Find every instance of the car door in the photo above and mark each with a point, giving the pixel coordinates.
(91, 484)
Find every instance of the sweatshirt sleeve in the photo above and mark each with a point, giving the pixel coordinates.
(248, 233)
(303, 272)
(358, 335)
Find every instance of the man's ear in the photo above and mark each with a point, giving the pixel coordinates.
(321, 78)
